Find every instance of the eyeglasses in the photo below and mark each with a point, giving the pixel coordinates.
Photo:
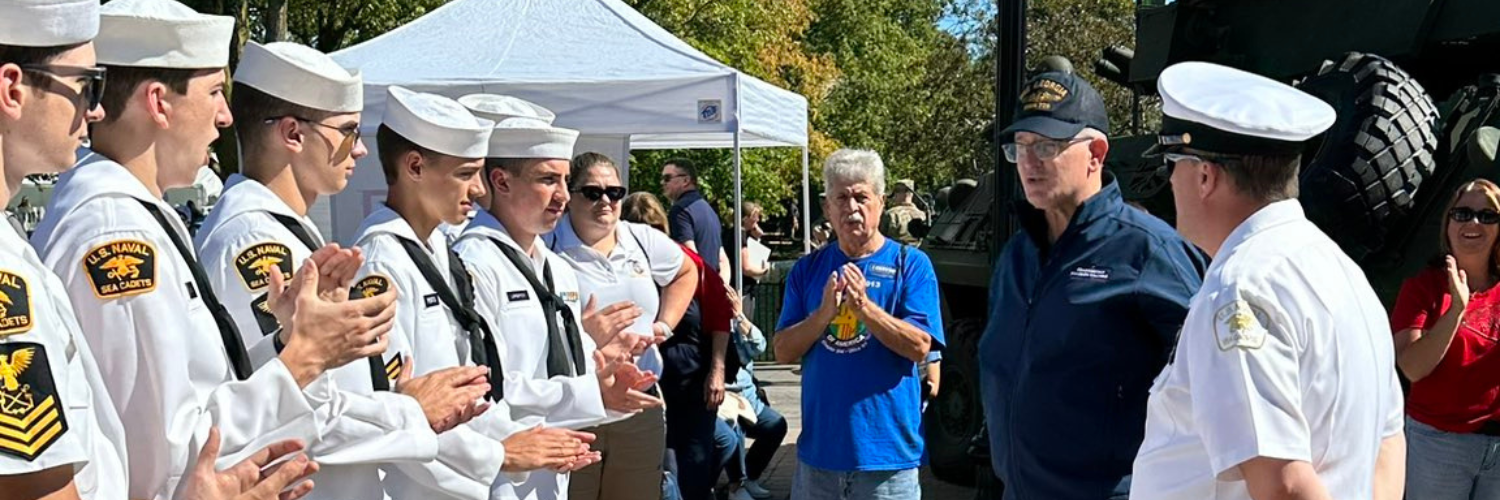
(350, 132)
(93, 80)
(1042, 150)
(1465, 214)
(1169, 161)
(594, 193)
(665, 178)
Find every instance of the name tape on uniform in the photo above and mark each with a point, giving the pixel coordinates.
(121, 268)
(255, 264)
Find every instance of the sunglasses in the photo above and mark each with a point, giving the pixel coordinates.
(93, 80)
(1042, 150)
(594, 193)
(350, 132)
(1465, 214)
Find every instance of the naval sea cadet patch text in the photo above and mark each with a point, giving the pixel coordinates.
(31, 413)
(120, 268)
(1239, 324)
(370, 286)
(255, 264)
(15, 304)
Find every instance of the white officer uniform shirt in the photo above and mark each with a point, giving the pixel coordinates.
(155, 341)
(72, 422)
(643, 260)
(469, 456)
(1285, 353)
(371, 427)
(507, 301)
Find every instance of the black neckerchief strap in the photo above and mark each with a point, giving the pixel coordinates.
(298, 230)
(234, 348)
(481, 341)
(558, 362)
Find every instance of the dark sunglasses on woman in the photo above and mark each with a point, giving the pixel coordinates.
(593, 193)
(1465, 214)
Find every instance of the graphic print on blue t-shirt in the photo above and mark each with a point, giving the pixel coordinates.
(861, 402)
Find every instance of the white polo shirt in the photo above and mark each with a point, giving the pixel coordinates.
(643, 260)
(1285, 353)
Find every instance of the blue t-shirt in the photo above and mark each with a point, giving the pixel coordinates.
(862, 402)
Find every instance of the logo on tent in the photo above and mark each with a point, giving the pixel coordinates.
(710, 111)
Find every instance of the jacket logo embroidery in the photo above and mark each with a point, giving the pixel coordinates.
(255, 264)
(31, 416)
(15, 304)
(1089, 273)
(121, 268)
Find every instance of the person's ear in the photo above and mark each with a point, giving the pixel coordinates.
(154, 95)
(13, 94)
(499, 180)
(289, 134)
(1098, 151)
(412, 165)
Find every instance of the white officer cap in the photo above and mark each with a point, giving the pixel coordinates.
(522, 128)
(162, 34)
(300, 75)
(436, 123)
(1219, 109)
(48, 23)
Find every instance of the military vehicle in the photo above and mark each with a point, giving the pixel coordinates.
(1377, 182)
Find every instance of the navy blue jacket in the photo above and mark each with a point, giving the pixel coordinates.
(1077, 332)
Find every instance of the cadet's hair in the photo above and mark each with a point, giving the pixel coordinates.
(686, 166)
(392, 147)
(581, 165)
(25, 56)
(123, 80)
(854, 166)
(643, 208)
(1491, 192)
(252, 107)
(1263, 178)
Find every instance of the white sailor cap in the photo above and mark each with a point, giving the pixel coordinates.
(48, 23)
(162, 34)
(1219, 109)
(523, 129)
(300, 75)
(436, 123)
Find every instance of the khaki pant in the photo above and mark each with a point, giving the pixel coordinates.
(631, 469)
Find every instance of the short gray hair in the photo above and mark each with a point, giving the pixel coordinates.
(853, 166)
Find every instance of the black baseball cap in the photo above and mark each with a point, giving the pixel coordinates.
(1057, 105)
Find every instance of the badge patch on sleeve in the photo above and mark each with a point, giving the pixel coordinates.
(1240, 325)
(255, 264)
(120, 268)
(370, 286)
(31, 414)
(263, 316)
(393, 368)
(15, 304)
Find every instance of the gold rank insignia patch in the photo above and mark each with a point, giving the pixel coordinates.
(1240, 325)
(120, 268)
(15, 304)
(255, 264)
(31, 414)
(393, 368)
(370, 286)
(263, 316)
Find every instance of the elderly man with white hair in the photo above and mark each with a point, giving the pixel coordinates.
(859, 315)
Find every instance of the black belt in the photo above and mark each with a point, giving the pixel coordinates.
(1490, 428)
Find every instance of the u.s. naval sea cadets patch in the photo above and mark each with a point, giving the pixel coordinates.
(31, 411)
(255, 264)
(120, 268)
(370, 286)
(15, 304)
(1239, 324)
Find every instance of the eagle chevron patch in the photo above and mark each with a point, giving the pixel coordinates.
(31, 411)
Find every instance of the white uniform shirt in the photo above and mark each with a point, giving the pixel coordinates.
(1285, 353)
(506, 300)
(156, 344)
(643, 260)
(71, 423)
(469, 456)
(239, 239)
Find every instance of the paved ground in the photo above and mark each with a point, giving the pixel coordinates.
(784, 389)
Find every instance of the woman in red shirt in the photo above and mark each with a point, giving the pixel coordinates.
(1446, 323)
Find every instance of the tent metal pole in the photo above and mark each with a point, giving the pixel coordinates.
(806, 206)
(739, 218)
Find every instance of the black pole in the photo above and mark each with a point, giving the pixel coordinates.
(1010, 73)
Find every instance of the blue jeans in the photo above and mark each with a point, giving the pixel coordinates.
(1443, 465)
(812, 483)
(768, 431)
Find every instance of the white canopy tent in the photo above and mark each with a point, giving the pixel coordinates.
(604, 68)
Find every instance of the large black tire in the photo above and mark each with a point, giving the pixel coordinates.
(956, 414)
(1363, 176)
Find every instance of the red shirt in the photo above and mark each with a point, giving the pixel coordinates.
(713, 298)
(1463, 391)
